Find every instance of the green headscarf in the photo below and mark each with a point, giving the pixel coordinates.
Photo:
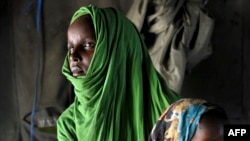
(122, 95)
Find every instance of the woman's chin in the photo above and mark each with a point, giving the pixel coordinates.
(77, 74)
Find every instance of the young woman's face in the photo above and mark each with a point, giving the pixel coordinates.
(209, 130)
(81, 45)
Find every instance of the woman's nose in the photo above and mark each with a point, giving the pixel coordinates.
(75, 56)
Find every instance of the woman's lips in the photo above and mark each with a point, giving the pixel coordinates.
(77, 71)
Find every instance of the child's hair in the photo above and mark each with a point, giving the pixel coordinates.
(217, 113)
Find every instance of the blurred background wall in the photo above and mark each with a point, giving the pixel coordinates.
(33, 47)
(224, 77)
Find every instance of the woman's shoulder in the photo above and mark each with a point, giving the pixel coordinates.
(66, 125)
(67, 114)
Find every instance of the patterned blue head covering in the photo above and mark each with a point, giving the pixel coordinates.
(180, 120)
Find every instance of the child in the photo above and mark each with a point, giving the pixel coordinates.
(190, 119)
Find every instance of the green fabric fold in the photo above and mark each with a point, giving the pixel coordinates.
(122, 95)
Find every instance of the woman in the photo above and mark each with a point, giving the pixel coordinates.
(119, 94)
(190, 119)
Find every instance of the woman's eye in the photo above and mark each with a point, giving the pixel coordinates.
(70, 49)
(89, 45)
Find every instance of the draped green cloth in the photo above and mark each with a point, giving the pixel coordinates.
(122, 95)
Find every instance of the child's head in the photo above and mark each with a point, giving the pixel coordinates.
(190, 120)
(210, 127)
